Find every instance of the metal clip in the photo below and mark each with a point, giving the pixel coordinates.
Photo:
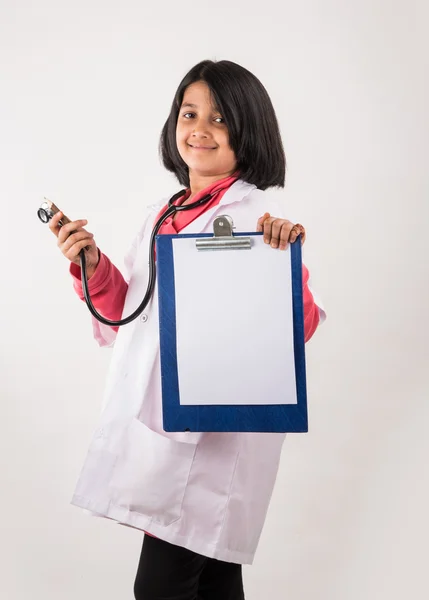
(223, 238)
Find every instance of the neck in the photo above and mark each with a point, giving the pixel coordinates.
(200, 182)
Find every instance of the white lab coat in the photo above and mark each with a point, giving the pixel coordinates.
(208, 492)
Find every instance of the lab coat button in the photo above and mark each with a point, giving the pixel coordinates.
(143, 318)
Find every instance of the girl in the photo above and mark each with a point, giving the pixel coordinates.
(201, 497)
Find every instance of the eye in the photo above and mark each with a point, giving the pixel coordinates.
(219, 120)
(189, 115)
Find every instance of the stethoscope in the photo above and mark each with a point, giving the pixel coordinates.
(47, 211)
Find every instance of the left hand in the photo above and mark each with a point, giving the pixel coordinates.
(279, 232)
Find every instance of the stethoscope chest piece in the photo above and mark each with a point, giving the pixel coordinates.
(45, 213)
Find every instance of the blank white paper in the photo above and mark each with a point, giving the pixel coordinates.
(234, 325)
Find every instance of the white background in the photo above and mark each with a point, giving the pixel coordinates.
(85, 89)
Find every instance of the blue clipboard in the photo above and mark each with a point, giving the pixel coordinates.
(275, 418)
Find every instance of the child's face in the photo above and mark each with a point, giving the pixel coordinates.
(202, 136)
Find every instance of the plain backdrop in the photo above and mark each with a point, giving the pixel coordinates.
(84, 91)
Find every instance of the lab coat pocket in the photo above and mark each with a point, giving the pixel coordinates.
(151, 474)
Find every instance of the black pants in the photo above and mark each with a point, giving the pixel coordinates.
(168, 572)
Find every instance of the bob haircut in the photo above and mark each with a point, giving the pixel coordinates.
(254, 133)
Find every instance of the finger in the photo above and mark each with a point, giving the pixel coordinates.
(285, 234)
(70, 228)
(74, 251)
(267, 230)
(260, 223)
(53, 223)
(295, 232)
(75, 237)
(275, 232)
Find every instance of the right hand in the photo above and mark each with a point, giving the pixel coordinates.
(72, 237)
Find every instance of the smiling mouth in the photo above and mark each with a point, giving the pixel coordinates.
(201, 147)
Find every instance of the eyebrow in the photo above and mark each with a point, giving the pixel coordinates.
(190, 105)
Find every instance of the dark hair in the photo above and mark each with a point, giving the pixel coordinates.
(254, 134)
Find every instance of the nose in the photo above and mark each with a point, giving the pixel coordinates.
(199, 133)
(200, 129)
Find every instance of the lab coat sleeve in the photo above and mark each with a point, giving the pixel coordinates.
(108, 289)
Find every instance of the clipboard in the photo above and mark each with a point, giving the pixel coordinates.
(220, 370)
